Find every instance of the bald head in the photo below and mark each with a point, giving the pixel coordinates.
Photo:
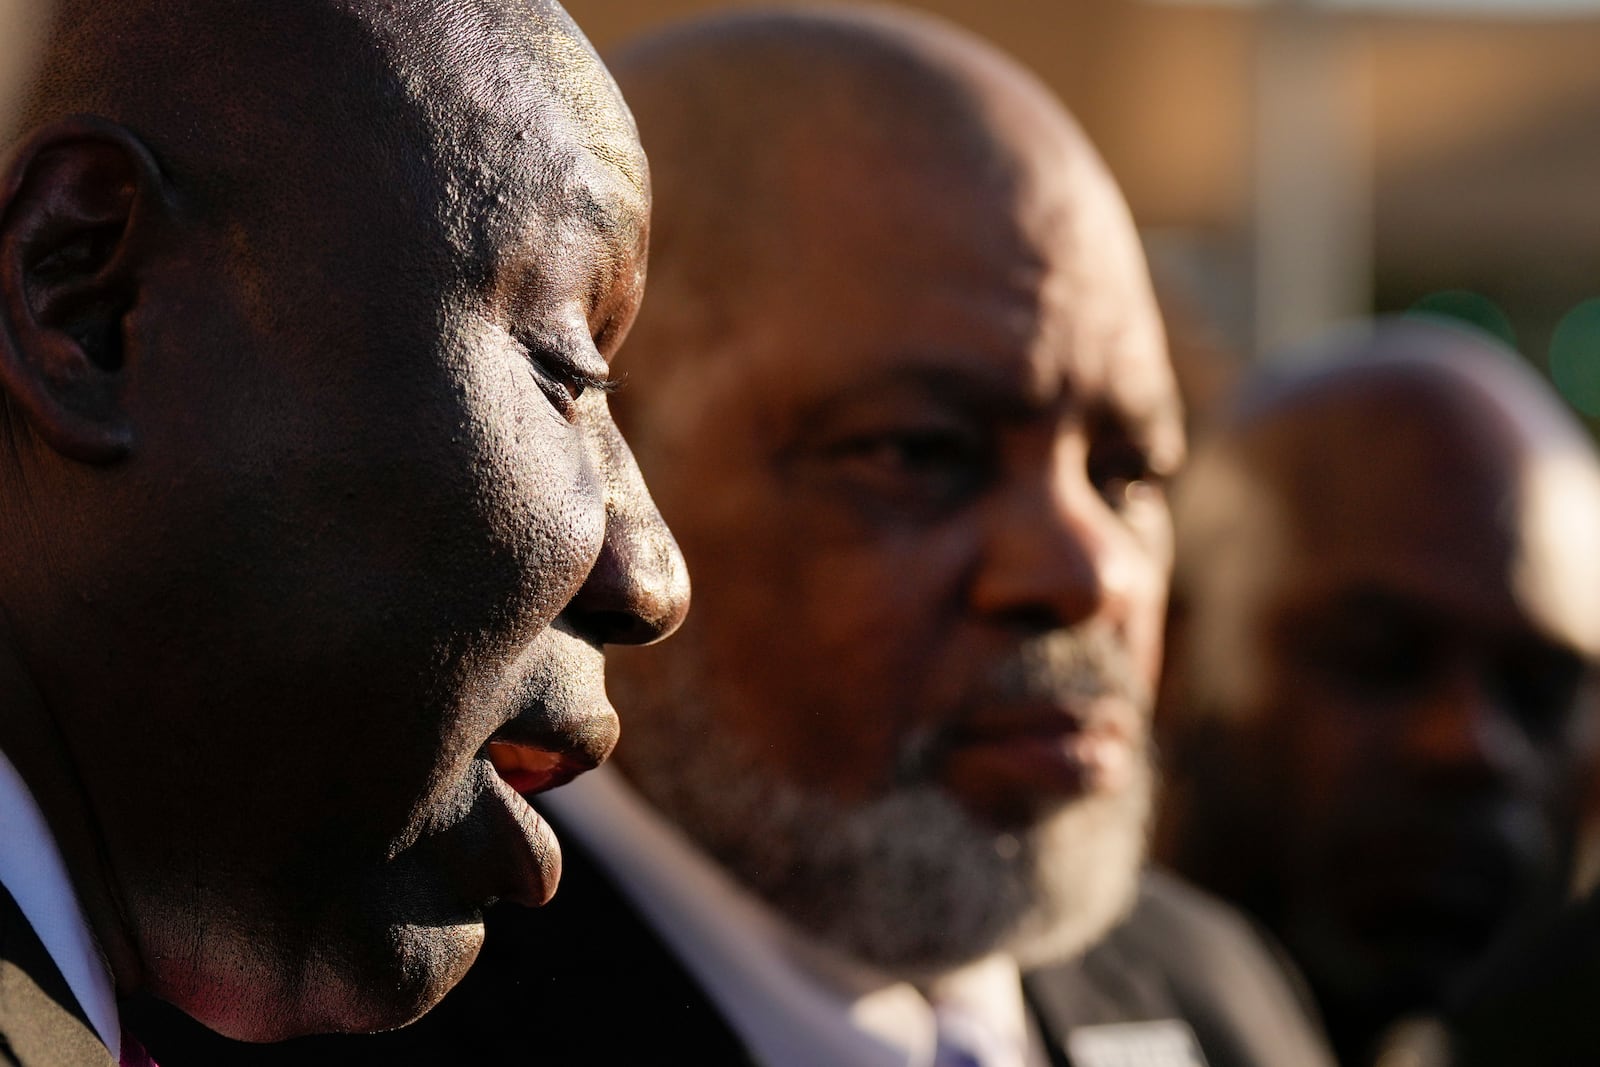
(791, 146)
(265, 114)
(1389, 606)
(776, 110)
(1419, 442)
(304, 311)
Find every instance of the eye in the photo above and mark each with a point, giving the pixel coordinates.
(1120, 470)
(563, 379)
(1373, 658)
(912, 468)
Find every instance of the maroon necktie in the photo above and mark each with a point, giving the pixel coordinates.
(133, 1053)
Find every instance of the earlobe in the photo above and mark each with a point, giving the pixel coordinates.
(73, 200)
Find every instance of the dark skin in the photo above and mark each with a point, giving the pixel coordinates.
(1379, 694)
(316, 516)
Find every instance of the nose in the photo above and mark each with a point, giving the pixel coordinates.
(1052, 556)
(638, 589)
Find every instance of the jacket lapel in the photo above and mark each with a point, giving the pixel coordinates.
(41, 1022)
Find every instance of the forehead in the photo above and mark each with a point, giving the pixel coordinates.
(525, 124)
(1444, 511)
(1026, 279)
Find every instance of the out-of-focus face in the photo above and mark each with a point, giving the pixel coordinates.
(375, 528)
(919, 483)
(1417, 699)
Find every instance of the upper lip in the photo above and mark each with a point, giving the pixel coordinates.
(534, 754)
(563, 724)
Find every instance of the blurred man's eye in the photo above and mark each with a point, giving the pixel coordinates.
(923, 467)
(1373, 656)
(1121, 472)
(1540, 686)
(1380, 665)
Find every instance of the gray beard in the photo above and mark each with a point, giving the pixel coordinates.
(910, 881)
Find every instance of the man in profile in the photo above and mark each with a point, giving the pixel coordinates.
(904, 387)
(314, 519)
(1387, 614)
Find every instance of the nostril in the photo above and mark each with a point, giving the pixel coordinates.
(638, 589)
(1034, 618)
(629, 608)
(621, 628)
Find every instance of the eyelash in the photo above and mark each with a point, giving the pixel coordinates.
(563, 378)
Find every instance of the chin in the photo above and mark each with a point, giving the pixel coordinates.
(347, 987)
(388, 984)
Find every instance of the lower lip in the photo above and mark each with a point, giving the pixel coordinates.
(1060, 766)
(527, 855)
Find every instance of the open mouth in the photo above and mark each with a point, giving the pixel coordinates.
(528, 769)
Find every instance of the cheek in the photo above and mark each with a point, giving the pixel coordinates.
(821, 652)
(1147, 608)
(543, 494)
(1323, 762)
(1146, 629)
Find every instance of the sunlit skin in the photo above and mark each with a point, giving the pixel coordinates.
(925, 421)
(1380, 694)
(312, 489)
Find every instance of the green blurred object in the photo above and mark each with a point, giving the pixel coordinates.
(1575, 357)
(1468, 308)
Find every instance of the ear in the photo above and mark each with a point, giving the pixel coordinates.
(74, 201)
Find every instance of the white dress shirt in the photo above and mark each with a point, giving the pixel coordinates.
(794, 1003)
(33, 872)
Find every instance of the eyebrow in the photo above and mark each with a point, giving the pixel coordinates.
(971, 380)
(963, 378)
(968, 381)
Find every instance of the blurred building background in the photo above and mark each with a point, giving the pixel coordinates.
(1294, 164)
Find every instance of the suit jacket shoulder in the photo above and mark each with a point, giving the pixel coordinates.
(41, 1022)
(1531, 1003)
(1184, 955)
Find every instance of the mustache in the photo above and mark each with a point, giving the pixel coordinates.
(1064, 667)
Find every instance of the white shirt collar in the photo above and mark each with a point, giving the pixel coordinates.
(33, 872)
(794, 1002)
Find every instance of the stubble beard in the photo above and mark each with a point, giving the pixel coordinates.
(910, 881)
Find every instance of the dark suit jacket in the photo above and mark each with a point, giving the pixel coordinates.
(41, 1022)
(1185, 955)
(585, 982)
(1533, 1004)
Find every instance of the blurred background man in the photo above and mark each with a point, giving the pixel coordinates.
(1379, 678)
